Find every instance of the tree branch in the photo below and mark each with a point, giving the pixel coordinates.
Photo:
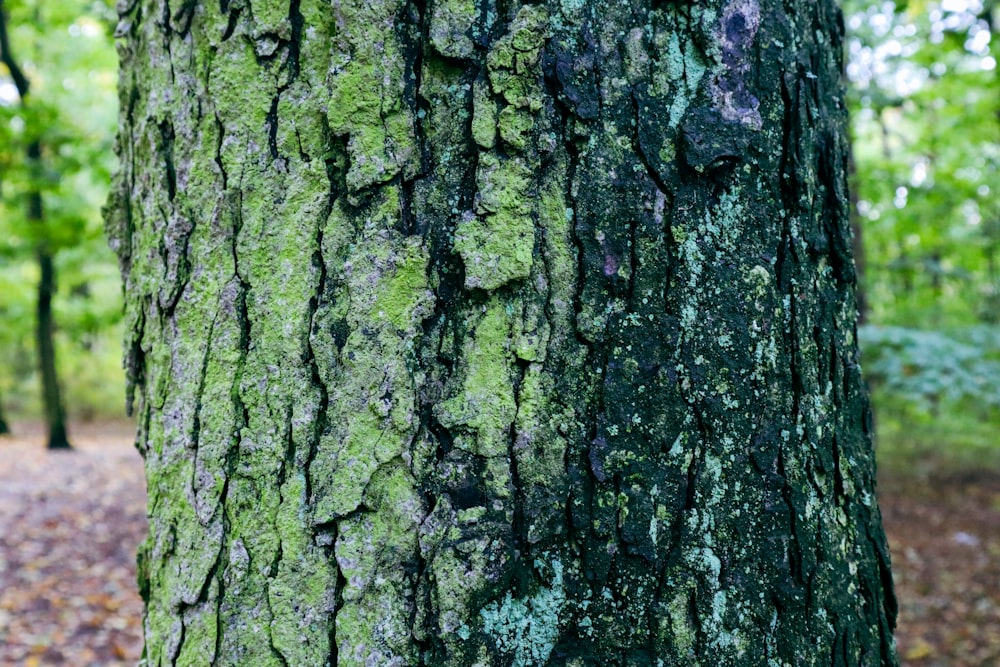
(7, 57)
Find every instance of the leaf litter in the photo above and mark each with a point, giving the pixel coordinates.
(70, 522)
(944, 535)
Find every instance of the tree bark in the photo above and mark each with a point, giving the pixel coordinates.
(496, 334)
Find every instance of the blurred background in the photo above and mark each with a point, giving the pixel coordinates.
(924, 96)
(56, 144)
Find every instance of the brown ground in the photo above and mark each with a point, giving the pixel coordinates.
(70, 523)
(944, 531)
(69, 526)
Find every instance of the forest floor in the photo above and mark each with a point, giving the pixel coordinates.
(944, 535)
(70, 523)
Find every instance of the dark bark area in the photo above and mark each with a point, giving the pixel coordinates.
(497, 334)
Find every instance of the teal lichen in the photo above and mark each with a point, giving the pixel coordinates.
(571, 8)
(680, 69)
(526, 630)
(719, 230)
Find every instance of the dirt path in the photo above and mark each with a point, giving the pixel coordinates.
(70, 523)
(69, 526)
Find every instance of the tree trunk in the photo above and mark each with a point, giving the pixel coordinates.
(496, 334)
(55, 416)
(4, 426)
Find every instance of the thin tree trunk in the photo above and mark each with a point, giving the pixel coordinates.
(496, 334)
(55, 419)
(4, 426)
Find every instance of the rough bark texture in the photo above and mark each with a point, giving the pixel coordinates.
(481, 333)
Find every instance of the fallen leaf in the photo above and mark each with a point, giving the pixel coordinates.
(920, 650)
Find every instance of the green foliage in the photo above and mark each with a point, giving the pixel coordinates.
(65, 50)
(925, 103)
(927, 146)
(932, 369)
(920, 444)
(17, 295)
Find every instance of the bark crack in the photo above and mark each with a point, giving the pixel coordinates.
(518, 527)
(221, 130)
(640, 153)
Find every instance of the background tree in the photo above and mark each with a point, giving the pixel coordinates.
(496, 334)
(54, 160)
(4, 426)
(55, 417)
